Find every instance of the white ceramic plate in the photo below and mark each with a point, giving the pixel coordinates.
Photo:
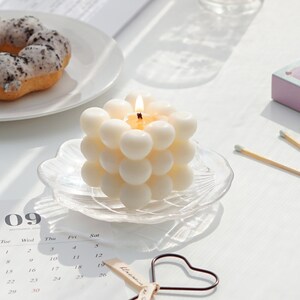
(95, 65)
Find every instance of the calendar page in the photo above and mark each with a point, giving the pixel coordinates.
(40, 262)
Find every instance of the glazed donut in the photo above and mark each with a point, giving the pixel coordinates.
(32, 57)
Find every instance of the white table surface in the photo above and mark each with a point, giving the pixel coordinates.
(254, 246)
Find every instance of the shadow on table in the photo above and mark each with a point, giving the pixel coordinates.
(139, 240)
(282, 115)
(145, 239)
(183, 45)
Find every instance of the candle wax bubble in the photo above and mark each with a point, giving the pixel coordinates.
(160, 108)
(135, 196)
(161, 161)
(135, 172)
(136, 144)
(184, 123)
(147, 98)
(91, 148)
(91, 173)
(183, 151)
(110, 160)
(111, 132)
(161, 186)
(182, 177)
(91, 120)
(162, 134)
(118, 108)
(111, 185)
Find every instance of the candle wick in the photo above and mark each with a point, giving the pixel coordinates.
(139, 115)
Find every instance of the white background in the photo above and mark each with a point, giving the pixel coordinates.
(254, 246)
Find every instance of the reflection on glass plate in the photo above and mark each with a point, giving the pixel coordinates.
(167, 235)
(212, 179)
(136, 237)
(95, 64)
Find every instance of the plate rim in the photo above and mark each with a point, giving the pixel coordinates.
(71, 106)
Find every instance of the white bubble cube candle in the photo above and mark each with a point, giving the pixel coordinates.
(138, 149)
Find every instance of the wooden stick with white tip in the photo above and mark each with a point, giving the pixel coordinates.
(289, 138)
(265, 160)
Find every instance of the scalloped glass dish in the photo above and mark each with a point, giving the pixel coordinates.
(212, 179)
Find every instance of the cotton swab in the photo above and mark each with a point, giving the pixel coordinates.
(265, 160)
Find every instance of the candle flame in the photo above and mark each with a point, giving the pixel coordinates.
(139, 104)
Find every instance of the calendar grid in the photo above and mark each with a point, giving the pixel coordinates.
(39, 264)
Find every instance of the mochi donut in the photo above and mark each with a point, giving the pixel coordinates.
(32, 57)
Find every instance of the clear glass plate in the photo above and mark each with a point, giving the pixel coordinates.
(144, 238)
(212, 179)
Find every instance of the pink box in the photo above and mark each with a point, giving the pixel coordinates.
(286, 86)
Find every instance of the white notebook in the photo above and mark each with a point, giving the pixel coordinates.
(111, 16)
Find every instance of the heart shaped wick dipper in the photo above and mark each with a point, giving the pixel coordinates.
(184, 288)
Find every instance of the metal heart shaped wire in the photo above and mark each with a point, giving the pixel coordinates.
(182, 288)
